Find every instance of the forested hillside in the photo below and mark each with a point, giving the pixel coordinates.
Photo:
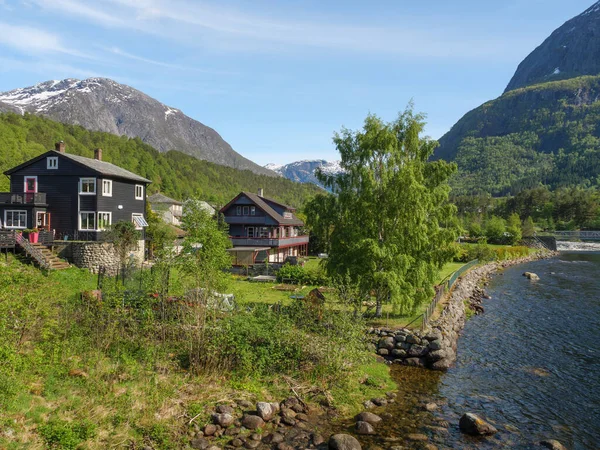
(173, 173)
(547, 133)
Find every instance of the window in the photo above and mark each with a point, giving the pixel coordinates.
(252, 211)
(264, 232)
(246, 209)
(238, 210)
(139, 192)
(52, 162)
(87, 186)
(15, 219)
(287, 215)
(139, 221)
(107, 188)
(250, 232)
(87, 221)
(104, 220)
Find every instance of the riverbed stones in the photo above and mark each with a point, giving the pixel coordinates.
(531, 276)
(475, 426)
(362, 427)
(552, 444)
(368, 417)
(237, 442)
(343, 442)
(317, 439)
(252, 422)
(223, 420)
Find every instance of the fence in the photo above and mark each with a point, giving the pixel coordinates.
(441, 289)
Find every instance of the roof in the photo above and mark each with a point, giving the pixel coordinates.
(101, 167)
(262, 204)
(161, 198)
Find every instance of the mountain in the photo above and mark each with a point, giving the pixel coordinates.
(100, 104)
(544, 129)
(304, 171)
(173, 173)
(571, 51)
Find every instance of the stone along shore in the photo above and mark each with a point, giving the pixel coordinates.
(435, 347)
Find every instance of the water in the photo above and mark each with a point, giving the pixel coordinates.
(530, 365)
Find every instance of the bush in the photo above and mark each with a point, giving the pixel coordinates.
(66, 435)
(301, 275)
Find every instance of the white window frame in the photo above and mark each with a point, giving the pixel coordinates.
(141, 188)
(85, 180)
(52, 162)
(108, 183)
(87, 229)
(133, 221)
(246, 210)
(238, 210)
(100, 213)
(253, 210)
(12, 227)
(263, 232)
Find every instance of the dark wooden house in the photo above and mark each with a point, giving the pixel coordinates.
(263, 229)
(73, 196)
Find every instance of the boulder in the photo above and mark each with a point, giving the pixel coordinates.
(400, 338)
(387, 343)
(418, 350)
(383, 352)
(368, 417)
(223, 420)
(364, 428)
(435, 345)
(474, 425)
(553, 445)
(265, 410)
(412, 339)
(343, 442)
(224, 409)
(252, 422)
(399, 353)
(531, 276)
(317, 439)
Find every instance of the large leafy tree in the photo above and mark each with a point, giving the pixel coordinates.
(389, 221)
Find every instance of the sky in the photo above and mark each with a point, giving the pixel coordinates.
(277, 78)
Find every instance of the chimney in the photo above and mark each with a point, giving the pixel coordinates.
(98, 154)
(260, 192)
(60, 147)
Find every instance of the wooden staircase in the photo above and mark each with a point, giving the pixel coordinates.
(41, 254)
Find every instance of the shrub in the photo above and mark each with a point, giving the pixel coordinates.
(301, 275)
(66, 435)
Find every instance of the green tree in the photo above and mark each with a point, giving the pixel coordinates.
(495, 228)
(124, 238)
(392, 226)
(513, 228)
(528, 227)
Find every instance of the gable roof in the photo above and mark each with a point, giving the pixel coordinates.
(161, 198)
(261, 202)
(100, 167)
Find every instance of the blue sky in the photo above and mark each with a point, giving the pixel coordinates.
(277, 78)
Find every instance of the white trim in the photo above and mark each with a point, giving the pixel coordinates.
(27, 177)
(98, 220)
(54, 160)
(138, 215)
(141, 196)
(110, 183)
(79, 220)
(15, 211)
(81, 185)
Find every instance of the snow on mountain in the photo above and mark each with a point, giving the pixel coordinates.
(101, 104)
(304, 171)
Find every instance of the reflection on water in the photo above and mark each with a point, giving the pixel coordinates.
(530, 365)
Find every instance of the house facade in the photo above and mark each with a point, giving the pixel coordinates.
(72, 196)
(170, 210)
(262, 229)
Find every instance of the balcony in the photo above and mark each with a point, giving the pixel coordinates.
(240, 241)
(8, 198)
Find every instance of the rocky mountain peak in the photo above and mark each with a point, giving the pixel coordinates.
(102, 104)
(571, 51)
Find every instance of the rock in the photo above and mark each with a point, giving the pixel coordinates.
(265, 410)
(415, 362)
(343, 442)
(435, 345)
(391, 395)
(275, 438)
(199, 443)
(252, 422)
(303, 417)
(553, 444)
(286, 412)
(364, 428)
(399, 353)
(245, 404)
(387, 343)
(417, 437)
(224, 409)
(369, 404)
(412, 339)
(288, 421)
(474, 425)
(298, 408)
(383, 352)
(418, 350)
(368, 417)
(317, 439)
(531, 276)
(237, 442)
(232, 431)
(443, 365)
(284, 446)
(251, 443)
(275, 407)
(210, 429)
(400, 338)
(223, 420)
(255, 437)
(380, 401)
(431, 407)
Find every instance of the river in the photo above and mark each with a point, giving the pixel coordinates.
(530, 365)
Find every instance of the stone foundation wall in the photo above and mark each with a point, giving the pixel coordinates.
(93, 255)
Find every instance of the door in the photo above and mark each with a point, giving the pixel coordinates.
(43, 221)
(30, 189)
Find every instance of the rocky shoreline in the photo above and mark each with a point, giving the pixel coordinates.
(435, 347)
